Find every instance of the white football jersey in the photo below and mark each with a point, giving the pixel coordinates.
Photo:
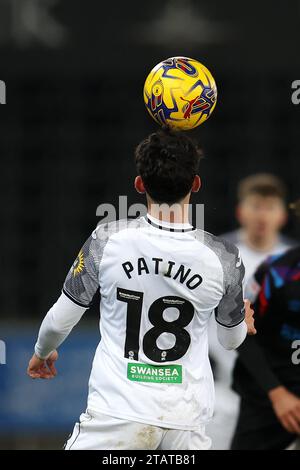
(159, 284)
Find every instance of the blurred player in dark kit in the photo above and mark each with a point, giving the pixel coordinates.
(267, 371)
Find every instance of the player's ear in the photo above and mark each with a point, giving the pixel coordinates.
(139, 185)
(196, 184)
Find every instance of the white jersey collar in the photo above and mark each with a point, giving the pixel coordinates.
(172, 227)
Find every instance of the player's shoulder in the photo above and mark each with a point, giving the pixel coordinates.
(224, 248)
(228, 255)
(105, 230)
(279, 266)
(288, 258)
(233, 236)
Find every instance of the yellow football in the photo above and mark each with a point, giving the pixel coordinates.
(180, 93)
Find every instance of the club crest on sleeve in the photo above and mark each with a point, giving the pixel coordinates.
(78, 264)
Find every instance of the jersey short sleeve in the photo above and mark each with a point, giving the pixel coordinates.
(82, 281)
(231, 311)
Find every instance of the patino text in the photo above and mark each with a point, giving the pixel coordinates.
(161, 267)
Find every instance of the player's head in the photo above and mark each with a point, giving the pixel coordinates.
(167, 163)
(261, 208)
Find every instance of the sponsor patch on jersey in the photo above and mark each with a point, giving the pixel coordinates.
(139, 372)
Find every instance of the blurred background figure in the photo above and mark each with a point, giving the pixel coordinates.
(267, 371)
(261, 213)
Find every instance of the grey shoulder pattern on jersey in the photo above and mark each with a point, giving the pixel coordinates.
(230, 311)
(227, 253)
(104, 231)
(82, 281)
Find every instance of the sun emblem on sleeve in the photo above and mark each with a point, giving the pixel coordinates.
(79, 264)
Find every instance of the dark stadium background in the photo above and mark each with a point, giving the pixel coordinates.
(74, 75)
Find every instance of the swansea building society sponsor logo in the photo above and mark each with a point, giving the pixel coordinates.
(2, 92)
(138, 372)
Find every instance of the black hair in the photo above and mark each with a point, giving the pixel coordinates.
(167, 162)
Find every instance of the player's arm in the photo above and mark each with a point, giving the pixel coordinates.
(234, 316)
(250, 353)
(79, 290)
(232, 337)
(286, 405)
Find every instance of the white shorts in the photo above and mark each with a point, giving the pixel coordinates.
(103, 432)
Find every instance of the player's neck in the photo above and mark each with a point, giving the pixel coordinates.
(260, 243)
(174, 214)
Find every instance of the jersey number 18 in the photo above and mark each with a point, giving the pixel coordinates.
(134, 300)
